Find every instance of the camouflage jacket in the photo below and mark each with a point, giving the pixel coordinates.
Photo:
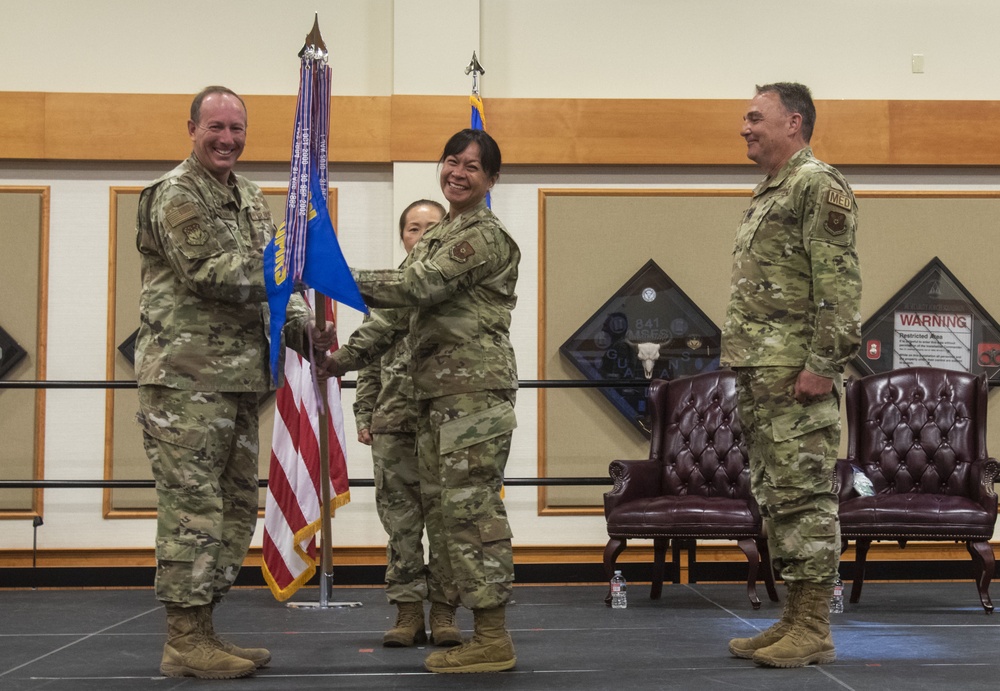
(202, 307)
(796, 283)
(459, 280)
(384, 402)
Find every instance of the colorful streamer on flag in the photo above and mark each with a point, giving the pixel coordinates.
(292, 513)
(305, 248)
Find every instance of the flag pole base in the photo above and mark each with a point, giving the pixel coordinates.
(325, 590)
(320, 605)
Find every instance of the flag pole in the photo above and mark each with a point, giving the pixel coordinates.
(315, 49)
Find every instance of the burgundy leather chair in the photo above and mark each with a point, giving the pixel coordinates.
(919, 434)
(695, 483)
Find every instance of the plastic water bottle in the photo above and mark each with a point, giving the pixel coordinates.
(837, 601)
(619, 591)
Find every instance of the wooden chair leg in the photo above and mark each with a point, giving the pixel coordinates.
(614, 547)
(675, 555)
(659, 559)
(982, 555)
(861, 555)
(749, 547)
(692, 546)
(765, 560)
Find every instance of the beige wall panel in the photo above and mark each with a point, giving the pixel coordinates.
(689, 234)
(125, 458)
(23, 309)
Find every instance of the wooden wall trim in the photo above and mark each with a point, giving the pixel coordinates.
(543, 131)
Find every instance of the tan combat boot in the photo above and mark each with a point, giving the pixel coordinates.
(745, 647)
(409, 628)
(189, 652)
(444, 630)
(808, 642)
(258, 656)
(490, 650)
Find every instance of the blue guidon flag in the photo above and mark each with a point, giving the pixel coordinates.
(305, 249)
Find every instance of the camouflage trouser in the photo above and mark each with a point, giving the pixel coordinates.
(463, 442)
(203, 449)
(397, 500)
(793, 453)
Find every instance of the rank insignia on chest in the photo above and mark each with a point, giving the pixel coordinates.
(195, 234)
(462, 251)
(836, 223)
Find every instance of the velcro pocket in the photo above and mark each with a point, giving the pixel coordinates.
(493, 529)
(809, 419)
(176, 549)
(478, 427)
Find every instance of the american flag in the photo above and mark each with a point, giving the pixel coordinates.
(292, 515)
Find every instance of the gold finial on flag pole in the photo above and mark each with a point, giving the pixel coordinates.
(475, 69)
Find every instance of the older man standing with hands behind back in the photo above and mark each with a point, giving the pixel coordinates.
(792, 325)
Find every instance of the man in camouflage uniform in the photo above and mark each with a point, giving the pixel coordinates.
(201, 363)
(459, 281)
(792, 324)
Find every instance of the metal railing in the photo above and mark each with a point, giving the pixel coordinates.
(346, 384)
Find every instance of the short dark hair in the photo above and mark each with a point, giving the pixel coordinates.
(489, 150)
(413, 205)
(796, 98)
(199, 98)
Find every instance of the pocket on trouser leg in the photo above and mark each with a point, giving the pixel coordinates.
(183, 572)
(801, 422)
(498, 554)
(478, 427)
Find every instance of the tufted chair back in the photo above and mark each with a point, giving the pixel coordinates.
(699, 441)
(918, 430)
(694, 485)
(919, 435)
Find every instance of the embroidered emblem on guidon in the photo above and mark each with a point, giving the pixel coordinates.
(462, 251)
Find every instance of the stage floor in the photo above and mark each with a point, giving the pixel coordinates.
(909, 636)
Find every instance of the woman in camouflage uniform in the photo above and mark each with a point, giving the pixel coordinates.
(459, 285)
(386, 417)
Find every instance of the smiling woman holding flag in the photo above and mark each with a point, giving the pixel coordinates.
(460, 281)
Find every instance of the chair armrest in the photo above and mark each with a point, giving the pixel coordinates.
(984, 476)
(633, 480)
(844, 475)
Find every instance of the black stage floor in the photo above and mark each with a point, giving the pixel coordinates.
(900, 636)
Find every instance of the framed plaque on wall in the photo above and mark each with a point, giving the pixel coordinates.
(648, 329)
(932, 321)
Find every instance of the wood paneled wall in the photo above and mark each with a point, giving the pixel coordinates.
(382, 129)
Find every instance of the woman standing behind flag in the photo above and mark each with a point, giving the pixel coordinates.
(460, 281)
(386, 417)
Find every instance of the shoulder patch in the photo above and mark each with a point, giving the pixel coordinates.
(195, 234)
(176, 215)
(462, 251)
(838, 198)
(835, 223)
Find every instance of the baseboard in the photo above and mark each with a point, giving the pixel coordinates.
(365, 566)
